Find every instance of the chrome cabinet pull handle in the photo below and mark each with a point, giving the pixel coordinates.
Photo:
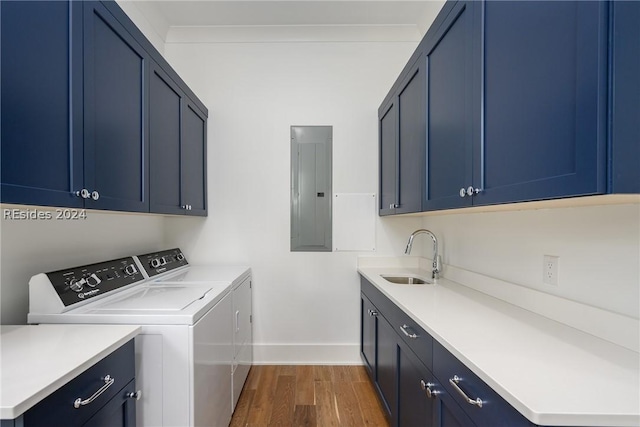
(454, 382)
(372, 313)
(413, 336)
(108, 382)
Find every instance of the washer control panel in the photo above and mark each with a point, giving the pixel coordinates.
(160, 262)
(78, 284)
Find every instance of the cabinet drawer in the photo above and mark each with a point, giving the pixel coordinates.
(119, 365)
(495, 411)
(412, 334)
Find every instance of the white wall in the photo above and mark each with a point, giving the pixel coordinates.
(598, 246)
(28, 247)
(255, 92)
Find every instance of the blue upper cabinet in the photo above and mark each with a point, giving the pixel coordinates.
(544, 101)
(194, 160)
(165, 106)
(41, 106)
(77, 124)
(115, 114)
(402, 132)
(625, 97)
(525, 100)
(178, 148)
(451, 97)
(388, 164)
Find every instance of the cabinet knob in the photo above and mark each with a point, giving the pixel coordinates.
(463, 192)
(427, 389)
(394, 206)
(135, 395)
(84, 193)
(372, 313)
(472, 191)
(95, 195)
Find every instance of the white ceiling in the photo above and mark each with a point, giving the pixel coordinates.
(163, 15)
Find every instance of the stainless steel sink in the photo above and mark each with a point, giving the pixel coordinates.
(406, 280)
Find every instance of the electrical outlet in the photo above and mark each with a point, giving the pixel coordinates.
(550, 270)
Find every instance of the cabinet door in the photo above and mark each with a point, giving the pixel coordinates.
(41, 108)
(416, 397)
(448, 412)
(387, 366)
(625, 97)
(368, 316)
(242, 309)
(544, 100)
(452, 116)
(115, 109)
(411, 139)
(165, 109)
(120, 411)
(388, 137)
(194, 160)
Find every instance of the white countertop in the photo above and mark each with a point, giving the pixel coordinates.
(37, 360)
(551, 373)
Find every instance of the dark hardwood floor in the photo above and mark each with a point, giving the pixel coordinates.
(315, 396)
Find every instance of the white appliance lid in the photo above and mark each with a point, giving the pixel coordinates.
(156, 297)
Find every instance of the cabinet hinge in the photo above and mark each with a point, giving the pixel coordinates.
(250, 284)
(251, 318)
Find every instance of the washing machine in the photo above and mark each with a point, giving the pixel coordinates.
(185, 352)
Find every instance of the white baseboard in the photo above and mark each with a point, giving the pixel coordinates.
(306, 354)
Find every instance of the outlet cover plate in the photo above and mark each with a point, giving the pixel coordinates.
(550, 270)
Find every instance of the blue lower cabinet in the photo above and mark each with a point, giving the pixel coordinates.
(421, 383)
(115, 406)
(416, 390)
(479, 401)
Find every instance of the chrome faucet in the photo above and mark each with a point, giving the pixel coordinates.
(436, 258)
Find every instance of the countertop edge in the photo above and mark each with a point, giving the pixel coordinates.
(10, 413)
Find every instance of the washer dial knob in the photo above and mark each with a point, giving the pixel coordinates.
(93, 280)
(76, 285)
(130, 270)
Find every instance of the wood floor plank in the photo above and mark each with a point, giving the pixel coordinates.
(305, 393)
(305, 416)
(260, 411)
(370, 406)
(359, 373)
(342, 374)
(242, 408)
(284, 402)
(253, 378)
(287, 370)
(314, 396)
(326, 405)
(323, 373)
(347, 403)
